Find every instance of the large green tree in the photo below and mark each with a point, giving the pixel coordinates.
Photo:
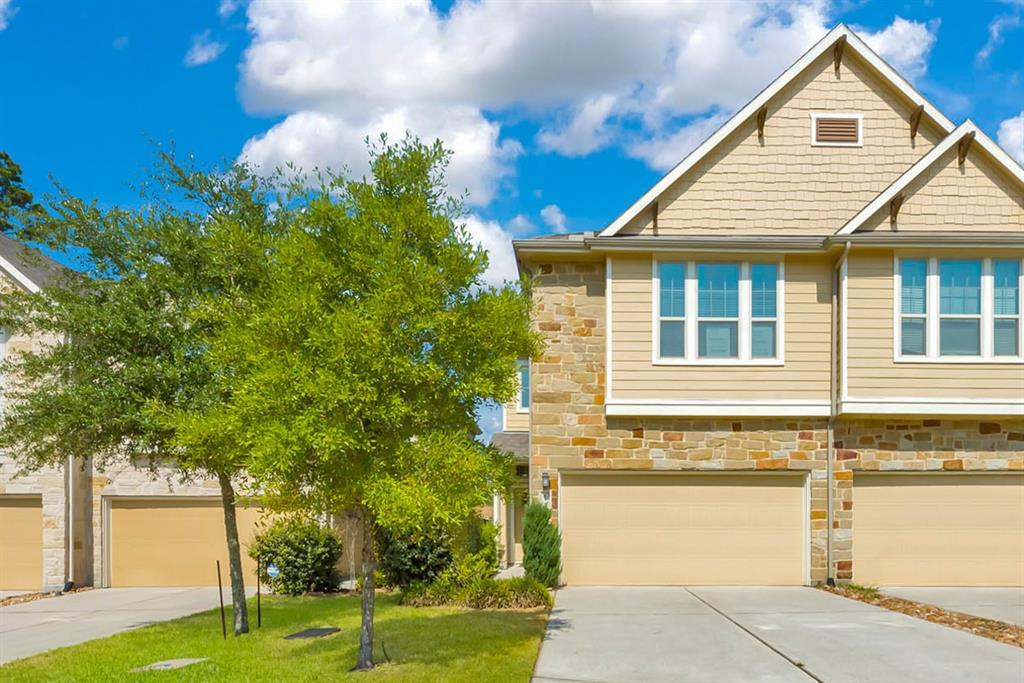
(130, 333)
(361, 361)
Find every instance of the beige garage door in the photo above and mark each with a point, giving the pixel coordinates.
(669, 529)
(166, 542)
(938, 529)
(21, 543)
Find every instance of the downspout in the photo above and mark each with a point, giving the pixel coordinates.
(69, 520)
(833, 381)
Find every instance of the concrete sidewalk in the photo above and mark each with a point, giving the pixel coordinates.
(1001, 604)
(34, 627)
(762, 634)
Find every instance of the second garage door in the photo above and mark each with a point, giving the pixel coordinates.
(168, 542)
(678, 529)
(21, 543)
(938, 529)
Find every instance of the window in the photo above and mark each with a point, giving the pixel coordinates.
(913, 311)
(672, 307)
(717, 313)
(524, 386)
(958, 309)
(836, 130)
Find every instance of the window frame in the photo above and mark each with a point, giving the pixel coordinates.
(522, 365)
(691, 318)
(933, 314)
(859, 118)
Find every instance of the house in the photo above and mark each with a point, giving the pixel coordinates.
(130, 525)
(514, 438)
(798, 357)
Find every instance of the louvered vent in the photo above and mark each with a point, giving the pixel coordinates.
(837, 130)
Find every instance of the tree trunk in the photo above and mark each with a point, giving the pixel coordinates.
(365, 662)
(238, 606)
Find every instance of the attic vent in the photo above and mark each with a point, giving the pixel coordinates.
(842, 130)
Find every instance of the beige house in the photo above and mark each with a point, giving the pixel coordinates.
(798, 357)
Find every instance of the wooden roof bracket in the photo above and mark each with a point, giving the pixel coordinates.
(654, 216)
(762, 114)
(963, 147)
(915, 120)
(837, 52)
(894, 206)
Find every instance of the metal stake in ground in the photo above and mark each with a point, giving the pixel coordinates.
(259, 613)
(220, 592)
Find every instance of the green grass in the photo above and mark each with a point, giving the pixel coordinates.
(423, 644)
(865, 592)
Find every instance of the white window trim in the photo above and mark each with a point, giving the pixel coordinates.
(520, 408)
(690, 319)
(933, 316)
(815, 115)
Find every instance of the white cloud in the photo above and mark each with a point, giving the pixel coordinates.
(7, 12)
(498, 242)
(312, 139)
(204, 50)
(905, 44)
(662, 152)
(996, 29)
(228, 7)
(1011, 137)
(553, 217)
(588, 74)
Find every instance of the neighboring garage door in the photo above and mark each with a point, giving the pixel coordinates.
(938, 529)
(677, 529)
(21, 543)
(168, 542)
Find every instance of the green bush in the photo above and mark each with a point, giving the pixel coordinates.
(542, 555)
(517, 593)
(303, 550)
(482, 541)
(403, 561)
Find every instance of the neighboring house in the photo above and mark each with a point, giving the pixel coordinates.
(798, 357)
(514, 438)
(127, 526)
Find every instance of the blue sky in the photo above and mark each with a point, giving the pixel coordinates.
(560, 114)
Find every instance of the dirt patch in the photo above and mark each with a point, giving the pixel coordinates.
(32, 597)
(1010, 634)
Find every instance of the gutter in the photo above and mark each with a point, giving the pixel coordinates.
(833, 382)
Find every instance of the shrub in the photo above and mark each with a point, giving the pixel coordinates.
(542, 555)
(517, 593)
(303, 550)
(482, 541)
(403, 561)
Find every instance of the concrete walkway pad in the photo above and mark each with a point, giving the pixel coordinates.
(739, 634)
(1001, 604)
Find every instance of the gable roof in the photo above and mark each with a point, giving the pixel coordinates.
(840, 32)
(31, 268)
(925, 162)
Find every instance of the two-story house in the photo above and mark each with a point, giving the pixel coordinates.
(799, 356)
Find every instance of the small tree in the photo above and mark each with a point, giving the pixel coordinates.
(361, 361)
(542, 543)
(132, 366)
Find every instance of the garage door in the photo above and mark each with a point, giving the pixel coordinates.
(669, 529)
(938, 529)
(166, 542)
(21, 543)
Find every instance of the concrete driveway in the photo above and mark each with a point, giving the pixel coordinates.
(34, 627)
(1001, 604)
(737, 634)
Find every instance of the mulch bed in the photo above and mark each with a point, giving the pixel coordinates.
(1010, 634)
(32, 597)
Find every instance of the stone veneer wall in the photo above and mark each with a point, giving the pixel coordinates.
(569, 429)
(914, 445)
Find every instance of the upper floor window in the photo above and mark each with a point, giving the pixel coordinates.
(957, 309)
(837, 130)
(717, 312)
(523, 401)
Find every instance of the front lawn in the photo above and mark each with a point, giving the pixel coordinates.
(423, 644)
